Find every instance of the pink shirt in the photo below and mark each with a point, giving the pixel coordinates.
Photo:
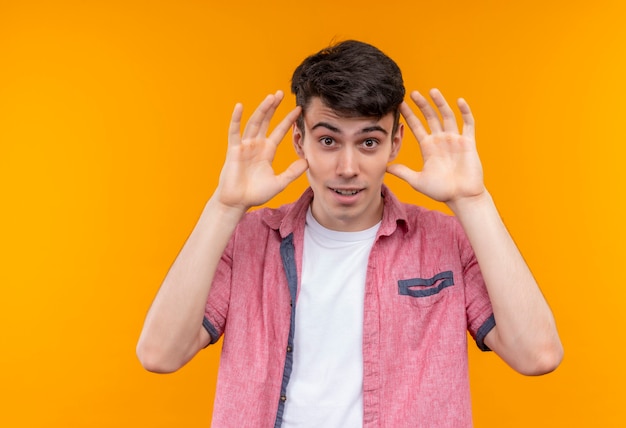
(423, 292)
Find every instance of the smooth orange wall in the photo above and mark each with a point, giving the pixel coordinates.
(113, 120)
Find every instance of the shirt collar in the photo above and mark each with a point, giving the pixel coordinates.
(291, 217)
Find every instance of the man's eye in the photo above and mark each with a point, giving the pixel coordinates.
(327, 141)
(370, 143)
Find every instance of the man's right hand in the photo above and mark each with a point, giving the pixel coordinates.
(247, 178)
(173, 331)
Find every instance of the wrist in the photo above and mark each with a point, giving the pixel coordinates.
(472, 203)
(218, 210)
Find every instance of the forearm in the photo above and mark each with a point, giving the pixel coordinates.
(173, 331)
(525, 335)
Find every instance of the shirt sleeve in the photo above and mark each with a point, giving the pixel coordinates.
(216, 308)
(480, 319)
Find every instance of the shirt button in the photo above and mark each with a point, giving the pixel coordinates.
(289, 349)
(283, 398)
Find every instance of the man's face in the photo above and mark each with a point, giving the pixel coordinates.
(347, 160)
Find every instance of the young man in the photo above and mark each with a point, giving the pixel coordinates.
(348, 308)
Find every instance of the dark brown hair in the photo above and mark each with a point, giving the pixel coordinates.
(353, 78)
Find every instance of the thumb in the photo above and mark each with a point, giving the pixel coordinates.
(293, 171)
(403, 172)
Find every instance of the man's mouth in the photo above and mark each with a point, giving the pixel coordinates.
(346, 192)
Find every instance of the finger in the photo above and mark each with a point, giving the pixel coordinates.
(278, 97)
(449, 121)
(468, 118)
(284, 126)
(235, 126)
(256, 120)
(293, 171)
(403, 172)
(429, 113)
(415, 124)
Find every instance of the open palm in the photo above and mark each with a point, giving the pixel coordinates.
(452, 168)
(248, 178)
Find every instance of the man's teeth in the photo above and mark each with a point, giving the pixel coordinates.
(346, 192)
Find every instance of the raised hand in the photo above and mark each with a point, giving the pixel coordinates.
(248, 178)
(452, 168)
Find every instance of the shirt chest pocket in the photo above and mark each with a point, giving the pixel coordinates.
(426, 291)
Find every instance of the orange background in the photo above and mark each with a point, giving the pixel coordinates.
(113, 120)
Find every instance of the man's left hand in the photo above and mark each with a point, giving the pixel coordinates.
(452, 170)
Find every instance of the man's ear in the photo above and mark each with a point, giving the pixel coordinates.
(396, 141)
(298, 140)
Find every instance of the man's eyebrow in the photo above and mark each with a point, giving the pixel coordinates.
(366, 130)
(327, 126)
(373, 128)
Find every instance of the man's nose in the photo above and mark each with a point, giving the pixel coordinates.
(347, 164)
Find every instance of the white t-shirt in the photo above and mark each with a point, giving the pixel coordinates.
(326, 383)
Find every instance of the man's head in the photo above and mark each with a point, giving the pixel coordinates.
(348, 132)
(352, 78)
